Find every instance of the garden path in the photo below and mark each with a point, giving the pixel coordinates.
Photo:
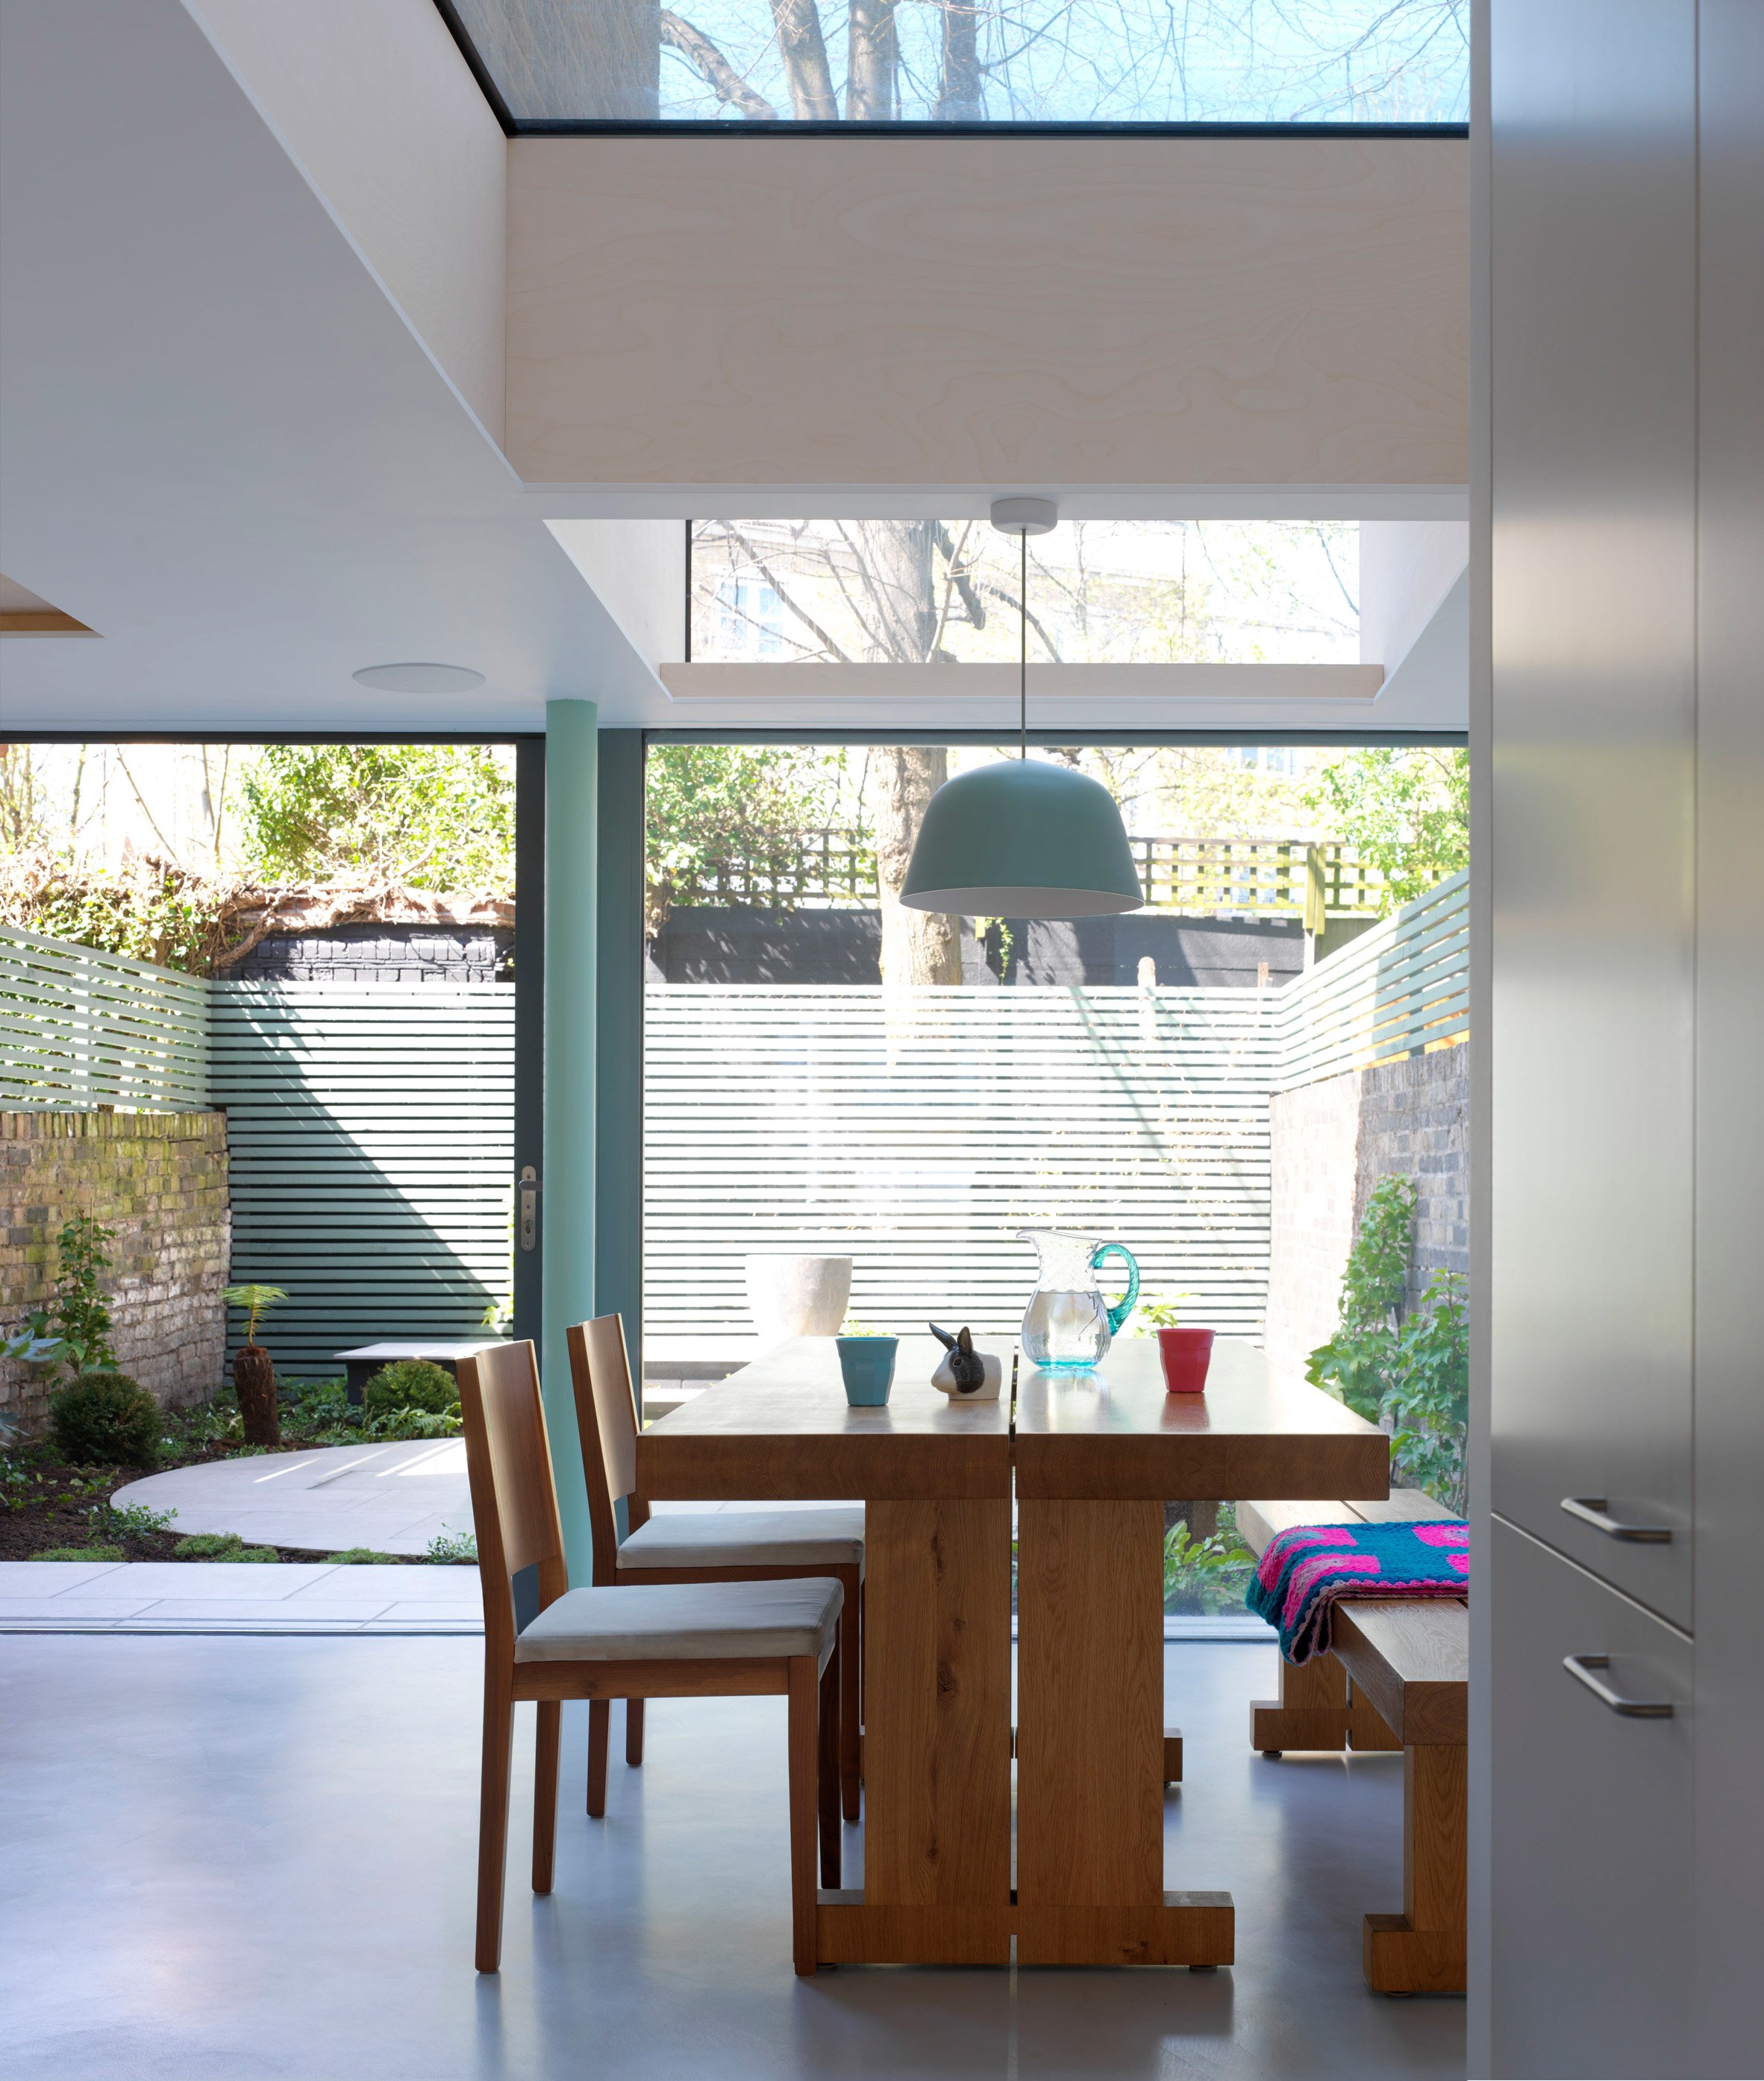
(236, 1596)
(392, 1499)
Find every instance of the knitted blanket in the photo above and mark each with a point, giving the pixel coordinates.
(1306, 1570)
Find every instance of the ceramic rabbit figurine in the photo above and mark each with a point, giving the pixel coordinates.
(963, 1374)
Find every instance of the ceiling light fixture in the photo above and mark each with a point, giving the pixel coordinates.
(1024, 838)
(419, 679)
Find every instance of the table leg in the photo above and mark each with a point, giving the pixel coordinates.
(936, 1741)
(1090, 1746)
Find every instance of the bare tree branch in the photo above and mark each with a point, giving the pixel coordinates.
(961, 576)
(783, 592)
(714, 68)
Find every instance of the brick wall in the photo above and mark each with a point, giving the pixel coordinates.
(160, 1181)
(381, 953)
(1332, 1141)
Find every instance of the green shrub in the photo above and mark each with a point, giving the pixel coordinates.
(221, 1547)
(362, 1556)
(410, 1384)
(106, 1417)
(81, 1553)
(134, 1521)
(401, 1423)
(449, 1548)
(318, 1404)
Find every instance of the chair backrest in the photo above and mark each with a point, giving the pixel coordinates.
(606, 1416)
(514, 1498)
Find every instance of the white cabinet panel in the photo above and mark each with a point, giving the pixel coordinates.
(1592, 1822)
(1593, 370)
(1730, 1035)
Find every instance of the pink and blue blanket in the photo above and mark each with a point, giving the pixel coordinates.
(1306, 1572)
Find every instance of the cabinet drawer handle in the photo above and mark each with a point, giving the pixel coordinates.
(1590, 1510)
(1580, 1667)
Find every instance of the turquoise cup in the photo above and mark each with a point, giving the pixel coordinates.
(868, 1365)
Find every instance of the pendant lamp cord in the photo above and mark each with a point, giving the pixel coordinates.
(1022, 654)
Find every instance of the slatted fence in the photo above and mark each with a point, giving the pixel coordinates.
(371, 1132)
(1398, 989)
(917, 1133)
(81, 1029)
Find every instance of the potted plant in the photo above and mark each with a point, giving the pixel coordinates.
(254, 1372)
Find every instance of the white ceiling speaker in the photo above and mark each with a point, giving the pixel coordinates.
(419, 679)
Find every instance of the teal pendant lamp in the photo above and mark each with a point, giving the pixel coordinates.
(1024, 838)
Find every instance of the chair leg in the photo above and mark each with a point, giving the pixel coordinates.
(600, 1740)
(829, 1773)
(633, 1732)
(804, 1760)
(492, 1823)
(544, 1792)
(850, 1708)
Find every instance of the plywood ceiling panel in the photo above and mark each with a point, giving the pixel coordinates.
(1038, 312)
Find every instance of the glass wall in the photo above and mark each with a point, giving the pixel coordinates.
(1115, 591)
(988, 62)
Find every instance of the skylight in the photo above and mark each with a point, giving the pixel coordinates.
(564, 64)
(1100, 592)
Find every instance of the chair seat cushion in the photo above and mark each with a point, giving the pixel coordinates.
(686, 1622)
(830, 1538)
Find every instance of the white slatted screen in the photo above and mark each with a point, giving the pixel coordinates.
(371, 1134)
(1397, 989)
(80, 1029)
(916, 1134)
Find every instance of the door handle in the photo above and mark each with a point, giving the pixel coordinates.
(1582, 1668)
(1591, 1510)
(530, 1207)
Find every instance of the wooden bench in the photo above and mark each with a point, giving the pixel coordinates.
(1397, 1678)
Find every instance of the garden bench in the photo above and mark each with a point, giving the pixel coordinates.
(1398, 1677)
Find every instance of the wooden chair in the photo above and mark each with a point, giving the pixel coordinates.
(655, 1641)
(702, 1546)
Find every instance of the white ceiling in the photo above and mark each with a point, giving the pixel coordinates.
(224, 449)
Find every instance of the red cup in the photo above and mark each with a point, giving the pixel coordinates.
(1186, 1355)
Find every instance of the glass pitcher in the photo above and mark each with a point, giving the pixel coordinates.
(1069, 1325)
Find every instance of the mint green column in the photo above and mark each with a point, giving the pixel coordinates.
(566, 1197)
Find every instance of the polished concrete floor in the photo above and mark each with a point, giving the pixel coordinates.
(227, 1858)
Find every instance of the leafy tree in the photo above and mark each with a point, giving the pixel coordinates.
(1406, 810)
(1357, 1365)
(1410, 1372)
(82, 1318)
(709, 803)
(428, 816)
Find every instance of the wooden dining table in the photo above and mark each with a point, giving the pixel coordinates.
(1088, 1459)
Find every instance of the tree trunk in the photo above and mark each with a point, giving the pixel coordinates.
(895, 590)
(874, 64)
(958, 84)
(798, 25)
(918, 947)
(254, 1382)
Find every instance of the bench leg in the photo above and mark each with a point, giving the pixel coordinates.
(1421, 1951)
(1311, 1712)
(1366, 1729)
